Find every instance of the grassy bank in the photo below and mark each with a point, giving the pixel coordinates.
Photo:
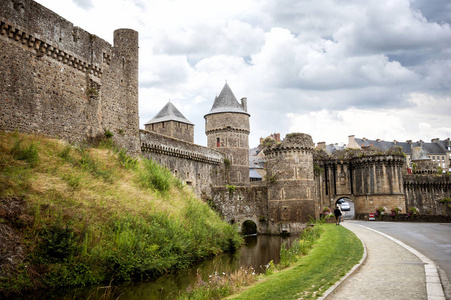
(332, 256)
(79, 216)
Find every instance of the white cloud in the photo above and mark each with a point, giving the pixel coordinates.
(330, 68)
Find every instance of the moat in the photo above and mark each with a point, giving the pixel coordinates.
(257, 252)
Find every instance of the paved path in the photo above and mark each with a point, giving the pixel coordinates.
(391, 270)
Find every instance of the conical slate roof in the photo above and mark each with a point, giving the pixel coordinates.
(169, 113)
(226, 102)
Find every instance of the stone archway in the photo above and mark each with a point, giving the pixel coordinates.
(248, 227)
(347, 214)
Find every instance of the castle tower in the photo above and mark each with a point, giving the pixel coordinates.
(378, 182)
(170, 122)
(291, 183)
(227, 130)
(125, 61)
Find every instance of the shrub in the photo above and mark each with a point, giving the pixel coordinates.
(26, 153)
(231, 188)
(412, 211)
(127, 161)
(152, 175)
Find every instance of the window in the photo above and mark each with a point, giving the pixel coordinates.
(218, 142)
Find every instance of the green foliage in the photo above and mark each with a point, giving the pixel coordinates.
(58, 243)
(98, 230)
(268, 143)
(314, 273)
(272, 178)
(227, 162)
(127, 161)
(445, 200)
(108, 134)
(270, 268)
(64, 154)
(154, 176)
(231, 188)
(26, 153)
(317, 170)
(91, 165)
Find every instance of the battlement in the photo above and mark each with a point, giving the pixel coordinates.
(379, 159)
(160, 144)
(47, 48)
(62, 81)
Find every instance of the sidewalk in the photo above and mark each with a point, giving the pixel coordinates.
(391, 270)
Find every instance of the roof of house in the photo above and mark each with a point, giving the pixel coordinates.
(254, 174)
(429, 148)
(169, 113)
(257, 162)
(226, 102)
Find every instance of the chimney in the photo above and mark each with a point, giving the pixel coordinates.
(277, 137)
(244, 103)
(322, 145)
(409, 141)
(378, 140)
(261, 140)
(436, 140)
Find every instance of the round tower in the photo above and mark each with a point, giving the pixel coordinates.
(378, 182)
(289, 166)
(124, 89)
(227, 130)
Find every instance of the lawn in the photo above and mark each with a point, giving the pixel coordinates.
(333, 255)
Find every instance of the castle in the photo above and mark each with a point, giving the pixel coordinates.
(62, 81)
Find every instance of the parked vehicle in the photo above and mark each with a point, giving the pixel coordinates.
(345, 206)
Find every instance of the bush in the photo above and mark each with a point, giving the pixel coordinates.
(152, 175)
(26, 153)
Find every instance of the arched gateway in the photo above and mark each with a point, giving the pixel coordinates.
(248, 227)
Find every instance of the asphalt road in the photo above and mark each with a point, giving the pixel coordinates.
(431, 239)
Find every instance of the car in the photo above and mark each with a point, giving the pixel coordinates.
(345, 206)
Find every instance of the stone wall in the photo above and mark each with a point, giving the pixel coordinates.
(200, 167)
(239, 204)
(378, 182)
(426, 191)
(62, 81)
(291, 186)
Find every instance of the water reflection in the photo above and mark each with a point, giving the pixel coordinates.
(257, 252)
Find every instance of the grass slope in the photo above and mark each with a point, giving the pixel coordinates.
(72, 215)
(332, 256)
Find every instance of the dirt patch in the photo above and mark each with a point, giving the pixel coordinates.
(13, 217)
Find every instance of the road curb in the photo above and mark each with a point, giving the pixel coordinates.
(354, 269)
(434, 287)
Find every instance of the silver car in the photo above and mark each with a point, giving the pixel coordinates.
(345, 206)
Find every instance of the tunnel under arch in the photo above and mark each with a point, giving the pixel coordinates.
(248, 227)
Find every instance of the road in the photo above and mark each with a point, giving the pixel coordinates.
(431, 239)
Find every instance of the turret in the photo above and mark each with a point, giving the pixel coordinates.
(290, 183)
(227, 130)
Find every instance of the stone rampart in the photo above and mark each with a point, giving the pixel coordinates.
(198, 166)
(426, 192)
(59, 80)
(238, 204)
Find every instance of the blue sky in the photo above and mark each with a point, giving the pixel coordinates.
(374, 69)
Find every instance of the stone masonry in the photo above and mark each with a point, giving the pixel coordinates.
(61, 81)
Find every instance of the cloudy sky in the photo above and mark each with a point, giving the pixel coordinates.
(329, 68)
